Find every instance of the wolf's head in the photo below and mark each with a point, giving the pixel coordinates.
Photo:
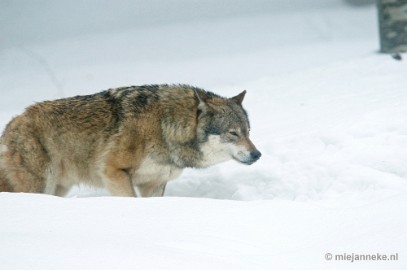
(223, 130)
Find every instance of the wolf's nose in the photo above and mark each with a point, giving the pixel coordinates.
(255, 155)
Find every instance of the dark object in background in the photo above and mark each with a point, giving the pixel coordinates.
(359, 3)
(392, 26)
(397, 56)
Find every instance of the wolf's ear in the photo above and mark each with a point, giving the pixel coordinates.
(202, 106)
(239, 98)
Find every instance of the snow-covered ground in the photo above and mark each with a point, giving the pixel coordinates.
(327, 112)
(44, 232)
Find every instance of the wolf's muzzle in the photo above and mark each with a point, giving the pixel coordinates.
(255, 155)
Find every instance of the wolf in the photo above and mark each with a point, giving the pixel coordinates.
(129, 140)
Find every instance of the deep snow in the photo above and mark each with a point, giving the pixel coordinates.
(328, 113)
(43, 232)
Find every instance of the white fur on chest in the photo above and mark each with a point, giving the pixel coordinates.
(152, 171)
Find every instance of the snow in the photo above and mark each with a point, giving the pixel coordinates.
(327, 112)
(181, 233)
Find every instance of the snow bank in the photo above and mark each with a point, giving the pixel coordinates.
(44, 232)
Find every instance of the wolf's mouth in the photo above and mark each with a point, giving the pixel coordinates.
(248, 160)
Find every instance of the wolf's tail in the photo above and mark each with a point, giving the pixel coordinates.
(4, 184)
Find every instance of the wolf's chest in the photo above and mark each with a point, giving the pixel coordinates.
(150, 170)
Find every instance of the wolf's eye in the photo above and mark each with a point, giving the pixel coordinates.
(233, 133)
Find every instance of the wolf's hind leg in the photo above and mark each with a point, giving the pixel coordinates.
(25, 173)
(4, 184)
(24, 159)
(22, 180)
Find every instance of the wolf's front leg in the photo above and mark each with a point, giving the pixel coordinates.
(117, 182)
(152, 189)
